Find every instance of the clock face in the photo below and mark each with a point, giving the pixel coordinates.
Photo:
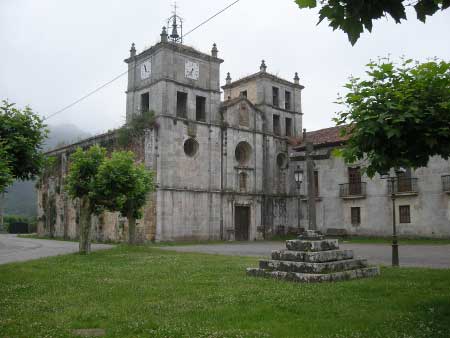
(191, 70)
(146, 69)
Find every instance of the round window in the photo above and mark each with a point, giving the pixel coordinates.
(243, 153)
(190, 147)
(281, 160)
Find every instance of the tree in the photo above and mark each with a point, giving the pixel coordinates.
(22, 134)
(6, 177)
(122, 185)
(80, 184)
(399, 116)
(353, 16)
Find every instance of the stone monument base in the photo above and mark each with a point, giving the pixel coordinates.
(312, 258)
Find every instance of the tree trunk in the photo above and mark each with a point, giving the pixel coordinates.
(85, 226)
(131, 229)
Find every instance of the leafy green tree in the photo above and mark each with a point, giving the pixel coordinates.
(398, 116)
(6, 177)
(353, 16)
(80, 183)
(122, 185)
(22, 134)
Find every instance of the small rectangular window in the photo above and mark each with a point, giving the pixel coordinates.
(356, 215)
(181, 104)
(200, 108)
(275, 96)
(316, 182)
(287, 100)
(145, 102)
(276, 124)
(288, 126)
(243, 93)
(405, 216)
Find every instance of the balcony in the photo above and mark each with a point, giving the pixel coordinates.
(352, 190)
(446, 183)
(403, 186)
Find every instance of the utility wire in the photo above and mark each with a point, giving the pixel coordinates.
(212, 17)
(86, 96)
(126, 72)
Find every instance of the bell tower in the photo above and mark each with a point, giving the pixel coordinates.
(173, 79)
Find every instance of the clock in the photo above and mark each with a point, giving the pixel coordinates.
(191, 70)
(146, 69)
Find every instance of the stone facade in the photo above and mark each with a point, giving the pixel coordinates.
(225, 169)
(221, 167)
(422, 199)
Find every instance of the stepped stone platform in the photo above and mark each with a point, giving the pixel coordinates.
(312, 258)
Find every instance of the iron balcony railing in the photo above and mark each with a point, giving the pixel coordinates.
(357, 189)
(403, 185)
(446, 183)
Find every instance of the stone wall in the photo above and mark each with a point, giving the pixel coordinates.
(429, 208)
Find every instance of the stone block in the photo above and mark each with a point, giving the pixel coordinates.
(313, 268)
(312, 257)
(314, 278)
(321, 245)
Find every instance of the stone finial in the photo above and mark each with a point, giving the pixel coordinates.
(228, 79)
(296, 79)
(263, 66)
(214, 51)
(132, 50)
(304, 134)
(164, 35)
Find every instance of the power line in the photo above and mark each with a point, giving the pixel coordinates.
(126, 72)
(212, 17)
(86, 96)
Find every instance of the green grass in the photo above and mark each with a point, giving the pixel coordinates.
(146, 292)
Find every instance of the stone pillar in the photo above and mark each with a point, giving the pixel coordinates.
(164, 35)
(263, 66)
(214, 51)
(228, 79)
(311, 187)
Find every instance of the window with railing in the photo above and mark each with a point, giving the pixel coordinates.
(403, 185)
(348, 190)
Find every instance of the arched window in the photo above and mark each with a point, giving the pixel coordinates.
(243, 153)
(243, 182)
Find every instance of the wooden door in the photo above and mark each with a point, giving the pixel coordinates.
(241, 223)
(354, 180)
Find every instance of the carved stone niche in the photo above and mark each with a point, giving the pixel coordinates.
(244, 119)
(192, 129)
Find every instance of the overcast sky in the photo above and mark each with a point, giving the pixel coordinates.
(53, 51)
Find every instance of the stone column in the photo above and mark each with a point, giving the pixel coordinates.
(311, 187)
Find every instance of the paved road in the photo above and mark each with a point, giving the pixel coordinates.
(16, 249)
(433, 256)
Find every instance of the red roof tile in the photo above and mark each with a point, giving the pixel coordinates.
(323, 137)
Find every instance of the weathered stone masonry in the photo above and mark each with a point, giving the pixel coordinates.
(222, 168)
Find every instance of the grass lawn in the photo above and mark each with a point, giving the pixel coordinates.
(146, 292)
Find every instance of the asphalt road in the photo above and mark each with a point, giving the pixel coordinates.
(431, 256)
(16, 249)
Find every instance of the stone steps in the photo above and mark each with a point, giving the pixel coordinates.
(314, 268)
(313, 278)
(315, 246)
(312, 257)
